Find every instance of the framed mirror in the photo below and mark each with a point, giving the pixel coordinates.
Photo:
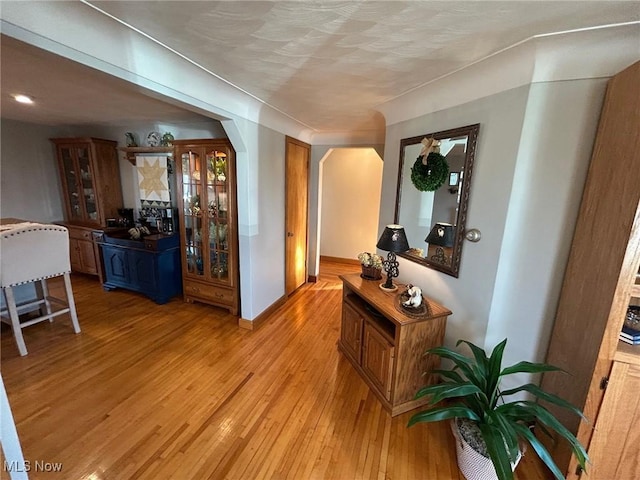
(434, 221)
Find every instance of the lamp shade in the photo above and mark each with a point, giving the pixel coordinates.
(441, 234)
(393, 239)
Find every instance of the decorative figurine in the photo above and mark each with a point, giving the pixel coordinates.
(130, 138)
(415, 297)
(167, 140)
(137, 233)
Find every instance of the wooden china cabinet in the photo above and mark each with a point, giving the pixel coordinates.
(601, 281)
(91, 193)
(206, 176)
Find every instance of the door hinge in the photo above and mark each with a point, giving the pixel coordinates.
(604, 382)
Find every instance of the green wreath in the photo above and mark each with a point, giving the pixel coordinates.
(429, 177)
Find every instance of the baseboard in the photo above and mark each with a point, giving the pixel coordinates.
(246, 324)
(260, 319)
(312, 279)
(349, 261)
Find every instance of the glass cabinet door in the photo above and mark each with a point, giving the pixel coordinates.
(205, 188)
(88, 193)
(70, 175)
(192, 198)
(79, 183)
(217, 175)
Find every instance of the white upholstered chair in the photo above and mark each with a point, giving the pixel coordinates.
(34, 252)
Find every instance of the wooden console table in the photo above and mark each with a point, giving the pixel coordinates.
(386, 346)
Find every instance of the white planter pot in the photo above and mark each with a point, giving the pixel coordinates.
(473, 465)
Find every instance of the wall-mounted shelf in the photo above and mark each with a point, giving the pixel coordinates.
(130, 152)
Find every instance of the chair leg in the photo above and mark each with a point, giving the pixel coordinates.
(15, 320)
(42, 290)
(71, 302)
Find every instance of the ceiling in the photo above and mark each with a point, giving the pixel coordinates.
(326, 64)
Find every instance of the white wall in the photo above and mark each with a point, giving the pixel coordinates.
(351, 180)
(469, 296)
(533, 150)
(261, 212)
(318, 154)
(557, 139)
(29, 185)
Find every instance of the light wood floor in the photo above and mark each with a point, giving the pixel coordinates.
(180, 392)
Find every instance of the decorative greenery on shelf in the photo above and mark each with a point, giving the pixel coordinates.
(430, 175)
(473, 387)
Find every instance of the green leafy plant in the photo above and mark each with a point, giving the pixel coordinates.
(472, 387)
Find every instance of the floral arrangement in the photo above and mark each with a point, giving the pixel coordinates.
(371, 265)
(370, 259)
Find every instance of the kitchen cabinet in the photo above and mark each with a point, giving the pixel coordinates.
(90, 179)
(84, 253)
(91, 193)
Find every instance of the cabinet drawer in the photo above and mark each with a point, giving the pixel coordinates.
(80, 233)
(211, 293)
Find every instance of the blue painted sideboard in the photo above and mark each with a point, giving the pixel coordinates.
(150, 266)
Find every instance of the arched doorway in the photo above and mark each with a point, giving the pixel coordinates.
(350, 184)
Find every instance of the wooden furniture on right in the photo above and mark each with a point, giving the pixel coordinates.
(386, 346)
(91, 193)
(206, 174)
(601, 281)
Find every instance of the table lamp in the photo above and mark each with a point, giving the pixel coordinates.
(441, 235)
(392, 240)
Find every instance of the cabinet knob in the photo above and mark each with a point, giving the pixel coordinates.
(219, 295)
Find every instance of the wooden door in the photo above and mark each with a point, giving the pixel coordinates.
(296, 219)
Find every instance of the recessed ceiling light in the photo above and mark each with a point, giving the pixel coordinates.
(23, 99)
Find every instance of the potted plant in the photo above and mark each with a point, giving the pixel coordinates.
(371, 264)
(483, 418)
